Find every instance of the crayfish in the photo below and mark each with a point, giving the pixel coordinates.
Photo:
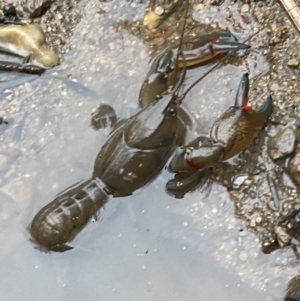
(139, 148)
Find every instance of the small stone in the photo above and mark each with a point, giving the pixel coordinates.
(248, 182)
(200, 6)
(245, 8)
(234, 194)
(258, 220)
(252, 223)
(293, 63)
(283, 238)
(243, 256)
(274, 87)
(158, 41)
(238, 181)
(266, 14)
(151, 20)
(101, 11)
(282, 144)
(37, 20)
(159, 10)
(275, 40)
(208, 20)
(252, 194)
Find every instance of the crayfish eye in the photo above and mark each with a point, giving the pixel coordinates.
(172, 111)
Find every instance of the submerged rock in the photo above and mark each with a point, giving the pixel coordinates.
(282, 144)
(293, 63)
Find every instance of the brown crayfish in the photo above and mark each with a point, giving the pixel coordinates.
(139, 148)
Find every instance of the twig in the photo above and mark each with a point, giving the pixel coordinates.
(293, 12)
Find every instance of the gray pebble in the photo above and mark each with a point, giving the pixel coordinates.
(245, 8)
(282, 144)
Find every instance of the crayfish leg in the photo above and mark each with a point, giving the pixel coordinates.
(24, 68)
(184, 183)
(27, 59)
(61, 248)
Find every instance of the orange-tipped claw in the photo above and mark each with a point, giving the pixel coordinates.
(241, 98)
(237, 127)
(267, 108)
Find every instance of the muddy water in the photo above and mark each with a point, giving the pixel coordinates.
(149, 246)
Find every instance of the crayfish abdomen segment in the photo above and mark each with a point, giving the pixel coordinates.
(61, 220)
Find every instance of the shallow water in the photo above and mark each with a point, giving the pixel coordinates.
(145, 247)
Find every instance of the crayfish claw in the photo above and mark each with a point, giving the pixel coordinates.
(241, 98)
(198, 154)
(221, 46)
(188, 182)
(224, 35)
(267, 107)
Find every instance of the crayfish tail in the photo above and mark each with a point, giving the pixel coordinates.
(55, 225)
(293, 290)
(188, 182)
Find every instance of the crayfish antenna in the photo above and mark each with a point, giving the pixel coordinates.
(179, 52)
